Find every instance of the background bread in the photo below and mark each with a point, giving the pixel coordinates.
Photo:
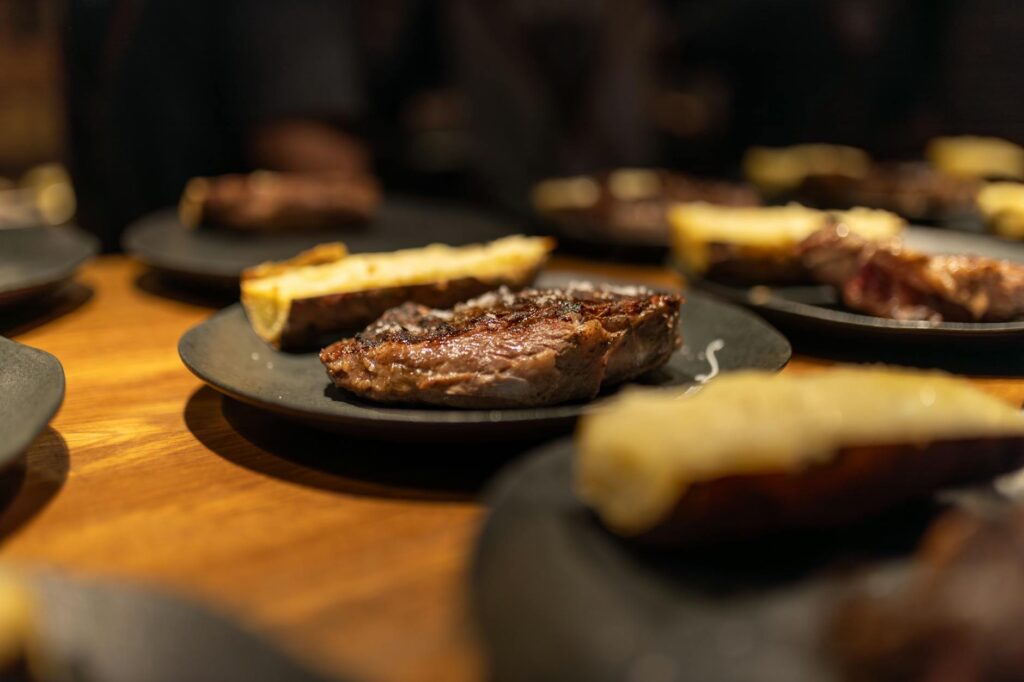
(758, 244)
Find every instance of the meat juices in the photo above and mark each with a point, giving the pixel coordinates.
(505, 349)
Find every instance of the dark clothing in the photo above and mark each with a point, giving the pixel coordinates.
(164, 90)
(555, 88)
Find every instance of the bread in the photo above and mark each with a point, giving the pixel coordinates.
(1002, 205)
(565, 194)
(752, 454)
(758, 244)
(777, 170)
(977, 157)
(293, 304)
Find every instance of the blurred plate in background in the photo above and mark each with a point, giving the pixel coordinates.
(34, 261)
(218, 256)
(31, 392)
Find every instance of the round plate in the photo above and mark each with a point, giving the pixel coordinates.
(558, 597)
(31, 391)
(818, 306)
(220, 256)
(225, 353)
(36, 260)
(147, 636)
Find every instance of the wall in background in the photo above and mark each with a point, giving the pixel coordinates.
(31, 116)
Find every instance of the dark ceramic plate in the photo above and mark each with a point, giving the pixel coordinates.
(105, 632)
(220, 256)
(35, 261)
(225, 353)
(558, 597)
(818, 307)
(31, 391)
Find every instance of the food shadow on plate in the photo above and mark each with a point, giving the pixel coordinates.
(198, 291)
(275, 446)
(23, 317)
(31, 483)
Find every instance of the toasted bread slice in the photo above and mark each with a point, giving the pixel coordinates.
(754, 453)
(977, 157)
(758, 244)
(1002, 205)
(293, 304)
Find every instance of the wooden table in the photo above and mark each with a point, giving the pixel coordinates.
(352, 555)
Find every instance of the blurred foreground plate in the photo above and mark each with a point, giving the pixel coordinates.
(217, 257)
(225, 353)
(35, 261)
(558, 597)
(85, 631)
(818, 308)
(31, 391)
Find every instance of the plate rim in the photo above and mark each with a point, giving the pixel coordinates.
(432, 417)
(9, 453)
(89, 246)
(138, 230)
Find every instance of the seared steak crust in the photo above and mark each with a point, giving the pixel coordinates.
(887, 280)
(504, 349)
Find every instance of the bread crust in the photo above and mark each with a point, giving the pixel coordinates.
(293, 315)
(858, 482)
(745, 265)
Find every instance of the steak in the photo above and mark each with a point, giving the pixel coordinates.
(934, 621)
(504, 349)
(888, 280)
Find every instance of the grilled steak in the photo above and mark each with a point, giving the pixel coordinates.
(936, 621)
(504, 349)
(887, 280)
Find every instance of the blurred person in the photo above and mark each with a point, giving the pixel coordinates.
(556, 88)
(577, 86)
(161, 91)
(164, 90)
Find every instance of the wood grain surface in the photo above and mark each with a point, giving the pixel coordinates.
(351, 554)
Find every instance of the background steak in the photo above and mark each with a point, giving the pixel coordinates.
(888, 280)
